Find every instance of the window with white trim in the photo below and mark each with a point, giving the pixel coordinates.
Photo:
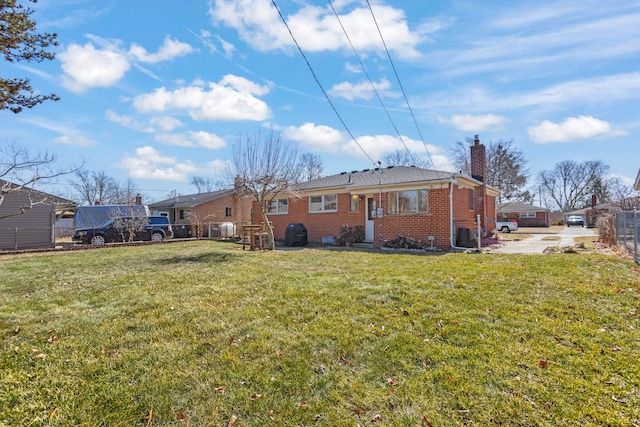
(527, 214)
(326, 203)
(278, 206)
(408, 202)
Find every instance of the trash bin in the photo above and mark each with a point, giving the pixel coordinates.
(181, 231)
(464, 237)
(295, 235)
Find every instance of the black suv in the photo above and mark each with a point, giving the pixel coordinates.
(154, 228)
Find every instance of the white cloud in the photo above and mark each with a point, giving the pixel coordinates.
(329, 140)
(377, 145)
(231, 99)
(352, 68)
(149, 163)
(166, 123)
(77, 140)
(363, 90)
(170, 49)
(316, 29)
(68, 134)
(569, 130)
(127, 121)
(193, 139)
(85, 67)
(474, 123)
(318, 138)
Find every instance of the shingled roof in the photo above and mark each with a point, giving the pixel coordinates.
(391, 175)
(190, 200)
(519, 207)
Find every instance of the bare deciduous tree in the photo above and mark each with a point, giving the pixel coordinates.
(569, 185)
(404, 158)
(21, 171)
(310, 167)
(506, 167)
(623, 195)
(93, 187)
(263, 169)
(100, 188)
(206, 184)
(131, 223)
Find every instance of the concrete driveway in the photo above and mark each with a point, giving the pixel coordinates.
(537, 245)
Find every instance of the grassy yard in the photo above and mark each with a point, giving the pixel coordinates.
(203, 334)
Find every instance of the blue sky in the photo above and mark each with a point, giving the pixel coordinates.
(159, 91)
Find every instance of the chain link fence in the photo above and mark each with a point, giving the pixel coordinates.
(627, 231)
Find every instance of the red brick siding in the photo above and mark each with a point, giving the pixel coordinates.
(214, 212)
(318, 225)
(435, 223)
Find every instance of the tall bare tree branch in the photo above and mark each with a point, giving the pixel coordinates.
(263, 169)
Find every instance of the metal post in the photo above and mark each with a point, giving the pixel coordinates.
(635, 236)
(479, 235)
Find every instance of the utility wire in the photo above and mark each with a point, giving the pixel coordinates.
(371, 82)
(399, 82)
(318, 82)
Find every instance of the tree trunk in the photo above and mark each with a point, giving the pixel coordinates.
(265, 220)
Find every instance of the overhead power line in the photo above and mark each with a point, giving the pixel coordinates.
(370, 81)
(318, 82)
(399, 82)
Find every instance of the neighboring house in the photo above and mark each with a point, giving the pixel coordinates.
(426, 205)
(211, 214)
(527, 215)
(28, 218)
(637, 184)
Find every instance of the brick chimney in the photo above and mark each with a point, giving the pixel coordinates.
(479, 172)
(138, 199)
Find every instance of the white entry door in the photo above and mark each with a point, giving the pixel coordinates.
(368, 229)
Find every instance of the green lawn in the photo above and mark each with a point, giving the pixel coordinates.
(203, 334)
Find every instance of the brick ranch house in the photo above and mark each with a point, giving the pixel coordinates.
(388, 202)
(210, 214)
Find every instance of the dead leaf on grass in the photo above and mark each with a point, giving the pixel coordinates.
(220, 389)
(391, 381)
(376, 419)
(232, 421)
(543, 363)
(427, 421)
(149, 416)
(181, 416)
(40, 356)
(256, 396)
(358, 410)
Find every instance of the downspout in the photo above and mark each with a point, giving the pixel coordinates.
(452, 181)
